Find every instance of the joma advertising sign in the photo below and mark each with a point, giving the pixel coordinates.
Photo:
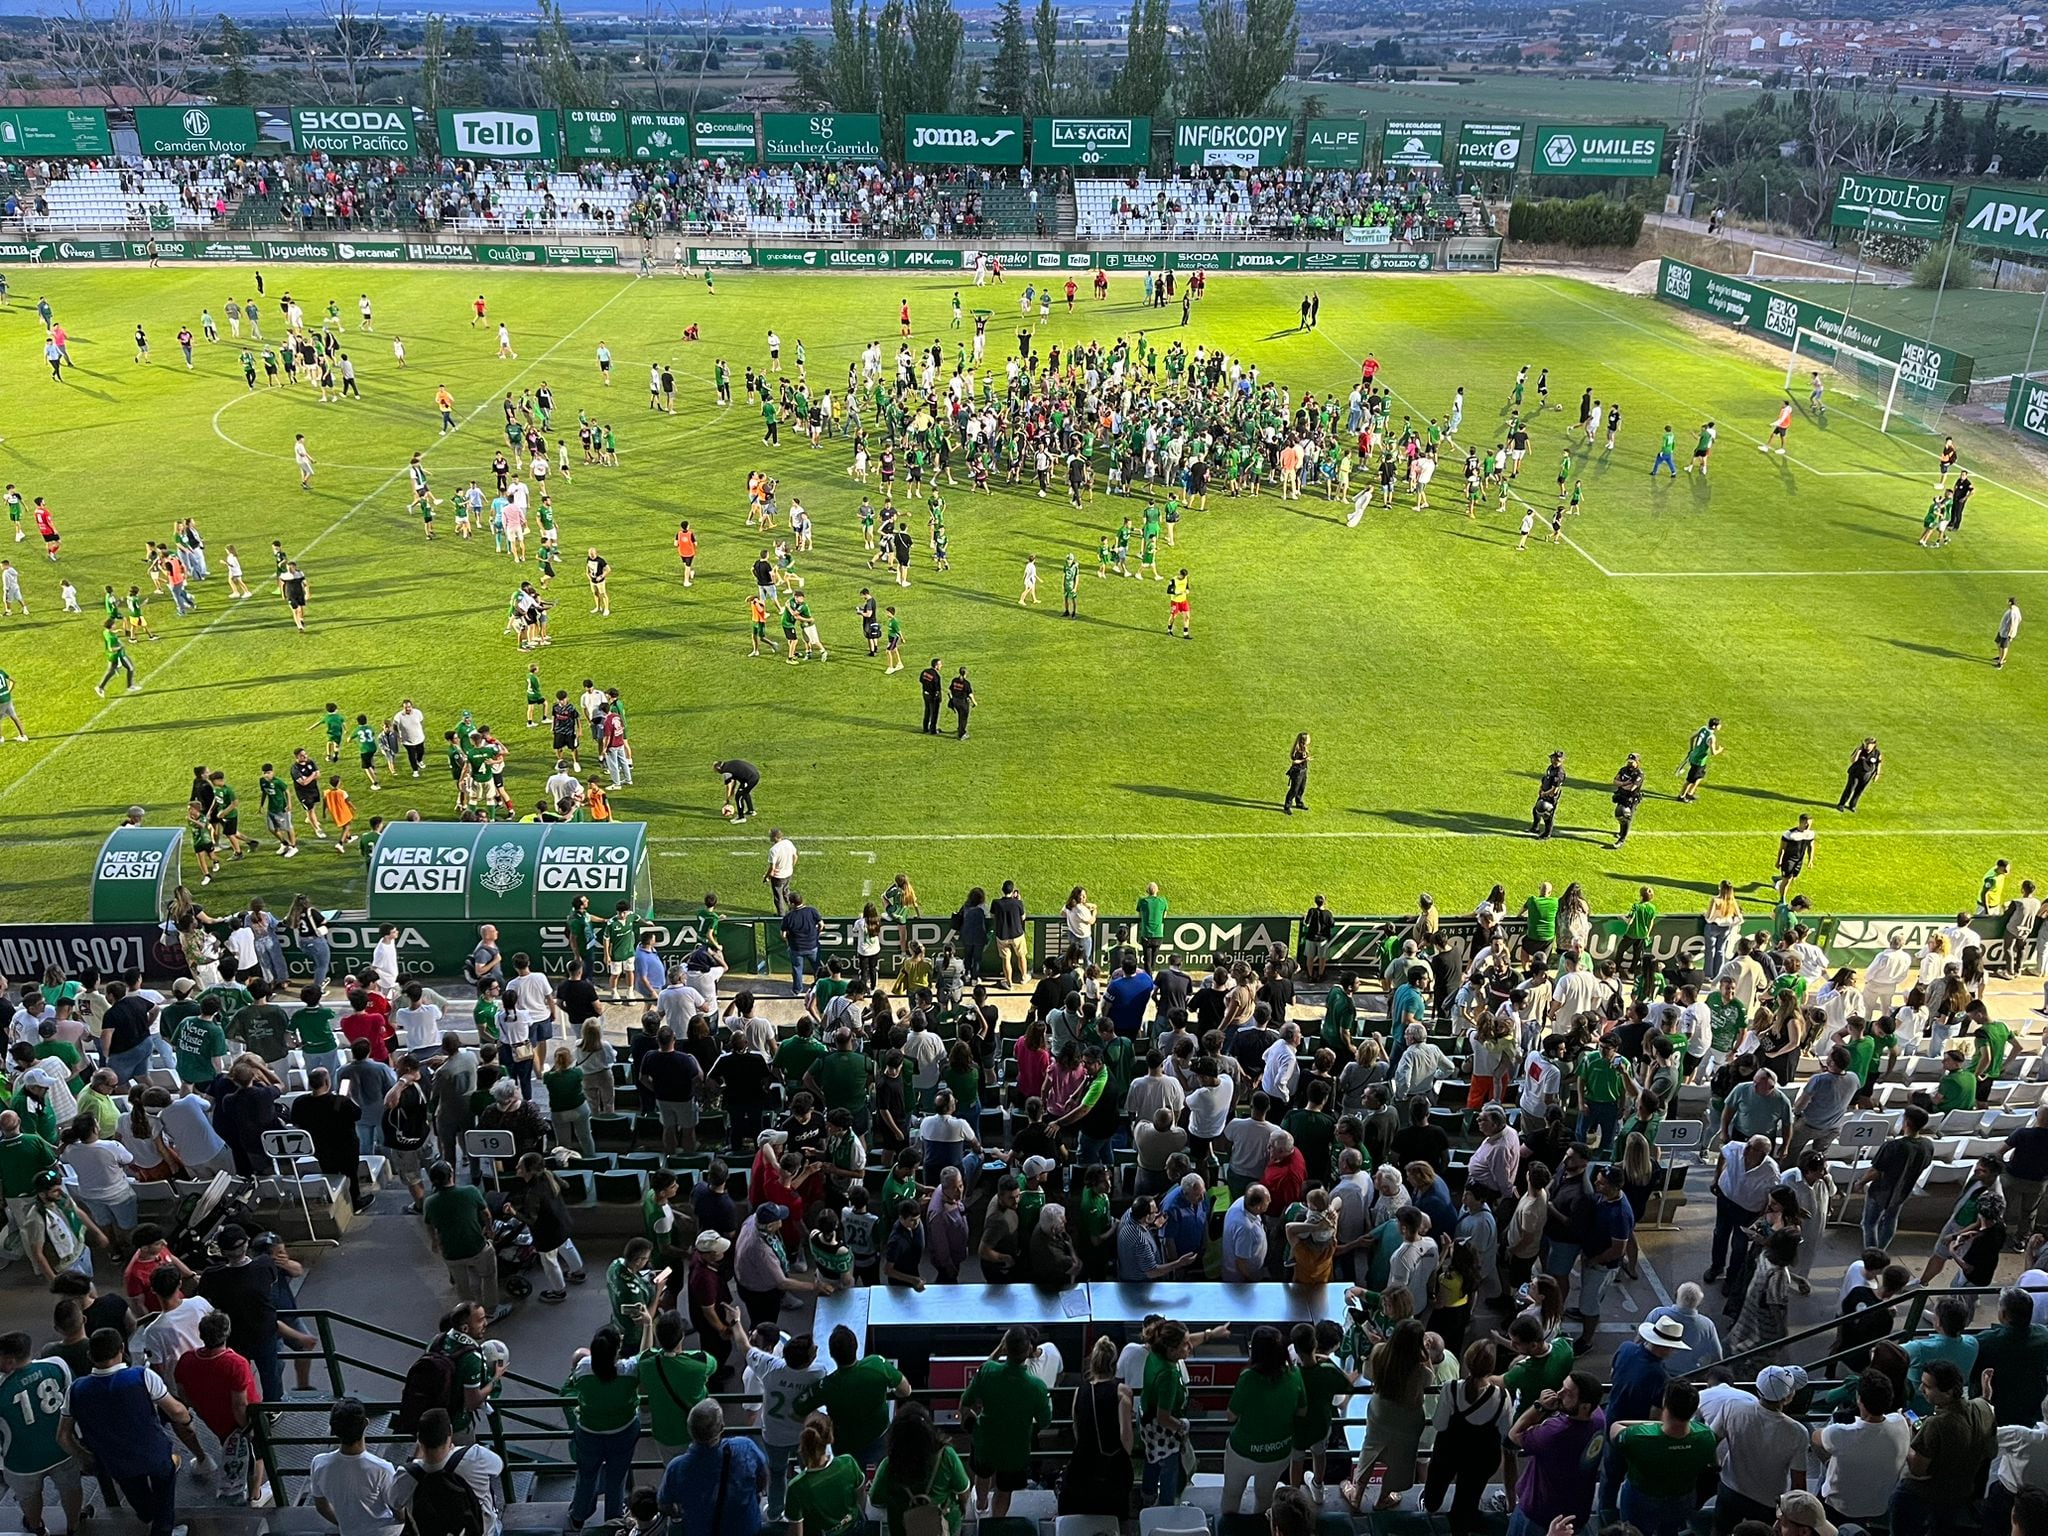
(952, 139)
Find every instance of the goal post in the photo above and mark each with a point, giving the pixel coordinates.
(1865, 373)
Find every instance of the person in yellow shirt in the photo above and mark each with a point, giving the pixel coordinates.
(1177, 602)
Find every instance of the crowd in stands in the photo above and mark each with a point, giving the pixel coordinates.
(1454, 1142)
(1278, 204)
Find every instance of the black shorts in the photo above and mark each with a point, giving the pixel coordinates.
(231, 826)
(565, 741)
(1005, 1481)
(368, 758)
(308, 797)
(1694, 772)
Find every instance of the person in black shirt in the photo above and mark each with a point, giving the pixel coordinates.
(1865, 764)
(669, 1077)
(1628, 794)
(577, 996)
(1051, 991)
(933, 684)
(1171, 989)
(960, 695)
(1210, 1000)
(889, 1128)
(1420, 1140)
(245, 1288)
(743, 1075)
(742, 778)
(331, 1120)
(1277, 991)
(1543, 816)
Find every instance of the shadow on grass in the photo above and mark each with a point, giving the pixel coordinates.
(1665, 882)
(1943, 652)
(1753, 792)
(1200, 796)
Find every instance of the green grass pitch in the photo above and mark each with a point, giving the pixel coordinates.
(1435, 665)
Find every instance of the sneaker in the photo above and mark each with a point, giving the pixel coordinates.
(504, 1311)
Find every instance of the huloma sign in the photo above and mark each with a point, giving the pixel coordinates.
(500, 135)
(359, 132)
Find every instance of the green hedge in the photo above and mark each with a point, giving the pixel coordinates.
(1584, 221)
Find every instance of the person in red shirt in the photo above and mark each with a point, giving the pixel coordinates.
(220, 1386)
(152, 1251)
(478, 318)
(1286, 1176)
(52, 542)
(365, 1023)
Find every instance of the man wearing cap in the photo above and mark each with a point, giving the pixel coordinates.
(1801, 1514)
(1762, 1447)
(244, 1286)
(1635, 1394)
(712, 1314)
(760, 1265)
(1946, 1461)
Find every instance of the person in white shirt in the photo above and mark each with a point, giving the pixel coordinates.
(351, 1487)
(925, 1053)
(174, 1331)
(418, 1022)
(781, 869)
(679, 1003)
(1542, 1083)
(1282, 1065)
(1576, 991)
(384, 960)
(1421, 1067)
(242, 950)
(1886, 973)
(412, 734)
(1209, 1105)
(1413, 1264)
(563, 787)
(476, 1465)
(1866, 1457)
(529, 1017)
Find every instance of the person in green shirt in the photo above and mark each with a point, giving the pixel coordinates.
(1314, 1130)
(921, 1466)
(117, 659)
(566, 1104)
(1662, 1460)
(1601, 1077)
(1540, 913)
(629, 1284)
(315, 1026)
(1541, 1364)
(1265, 1406)
(1705, 745)
(856, 1396)
(1325, 1385)
(673, 1380)
(263, 1027)
(604, 1425)
(1958, 1086)
(825, 1498)
(1994, 1039)
(458, 1228)
(1151, 924)
(1007, 1408)
(200, 1043)
(335, 724)
(1636, 929)
(803, 1050)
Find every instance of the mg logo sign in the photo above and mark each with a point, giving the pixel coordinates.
(198, 124)
(1560, 151)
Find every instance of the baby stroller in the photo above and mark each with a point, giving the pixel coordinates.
(201, 1213)
(517, 1255)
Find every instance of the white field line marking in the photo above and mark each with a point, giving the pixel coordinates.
(8, 792)
(1361, 834)
(1808, 575)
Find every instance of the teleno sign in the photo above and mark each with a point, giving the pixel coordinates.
(936, 139)
(1247, 142)
(1090, 140)
(1889, 206)
(499, 135)
(364, 133)
(2005, 220)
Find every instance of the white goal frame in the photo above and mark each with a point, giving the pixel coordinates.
(1839, 349)
(1823, 271)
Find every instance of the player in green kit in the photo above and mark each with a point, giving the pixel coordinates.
(1102, 558)
(536, 696)
(1705, 744)
(1578, 497)
(1667, 454)
(336, 726)
(892, 640)
(1151, 527)
(789, 635)
(940, 559)
(424, 507)
(1148, 556)
(365, 738)
(199, 833)
(34, 1397)
(1123, 548)
(1564, 474)
(1070, 587)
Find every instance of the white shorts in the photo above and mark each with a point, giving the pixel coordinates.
(65, 1475)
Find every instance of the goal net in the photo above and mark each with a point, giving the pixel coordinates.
(1766, 265)
(1914, 392)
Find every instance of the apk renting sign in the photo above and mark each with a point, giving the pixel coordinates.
(1090, 140)
(2004, 220)
(354, 133)
(1891, 207)
(1567, 149)
(1246, 143)
(953, 139)
(1779, 317)
(499, 135)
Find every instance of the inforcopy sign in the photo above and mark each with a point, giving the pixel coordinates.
(932, 139)
(54, 131)
(499, 135)
(723, 136)
(1631, 149)
(1090, 140)
(354, 133)
(598, 135)
(196, 130)
(1334, 146)
(2006, 220)
(658, 135)
(1242, 142)
(1412, 145)
(788, 136)
(1896, 207)
(1489, 146)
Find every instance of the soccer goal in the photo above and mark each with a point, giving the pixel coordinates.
(1765, 265)
(1846, 371)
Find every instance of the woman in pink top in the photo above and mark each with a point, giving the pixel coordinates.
(1034, 1061)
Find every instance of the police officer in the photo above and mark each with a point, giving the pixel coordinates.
(1544, 817)
(933, 682)
(1628, 794)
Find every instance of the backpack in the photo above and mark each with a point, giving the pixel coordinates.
(922, 1517)
(432, 1381)
(407, 1122)
(443, 1503)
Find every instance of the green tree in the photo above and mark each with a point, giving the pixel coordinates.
(235, 81)
(1239, 53)
(562, 77)
(433, 64)
(1009, 85)
(1145, 81)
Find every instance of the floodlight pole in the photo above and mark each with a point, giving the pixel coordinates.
(1942, 287)
(1695, 107)
(2039, 316)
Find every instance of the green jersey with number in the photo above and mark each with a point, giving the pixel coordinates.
(32, 1401)
(365, 739)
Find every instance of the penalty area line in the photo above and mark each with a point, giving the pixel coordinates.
(1360, 834)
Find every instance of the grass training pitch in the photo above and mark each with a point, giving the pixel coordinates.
(1435, 666)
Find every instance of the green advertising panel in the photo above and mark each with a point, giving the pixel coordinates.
(788, 136)
(1242, 142)
(486, 135)
(1490, 146)
(1399, 261)
(598, 135)
(1265, 261)
(1780, 317)
(1411, 144)
(1334, 145)
(580, 255)
(658, 135)
(1198, 260)
(724, 136)
(136, 872)
(1090, 140)
(425, 871)
(1197, 943)
(951, 139)
(1568, 149)
(358, 133)
(1891, 207)
(28, 131)
(2026, 409)
(929, 260)
(196, 130)
(2004, 220)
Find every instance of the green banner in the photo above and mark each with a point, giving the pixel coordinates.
(658, 135)
(1780, 317)
(580, 255)
(86, 250)
(203, 250)
(1090, 140)
(1198, 943)
(1411, 144)
(1892, 207)
(599, 135)
(1568, 149)
(1199, 260)
(499, 871)
(1334, 145)
(354, 133)
(724, 136)
(1333, 261)
(1131, 261)
(929, 260)
(2026, 409)
(28, 131)
(315, 250)
(1265, 261)
(135, 874)
(721, 256)
(953, 139)
(196, 130)
(358, 251)
(789, 136)
(1242, 142)
(485, 135)
(1490, 146)
(1399, 261)
(2005, 220)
